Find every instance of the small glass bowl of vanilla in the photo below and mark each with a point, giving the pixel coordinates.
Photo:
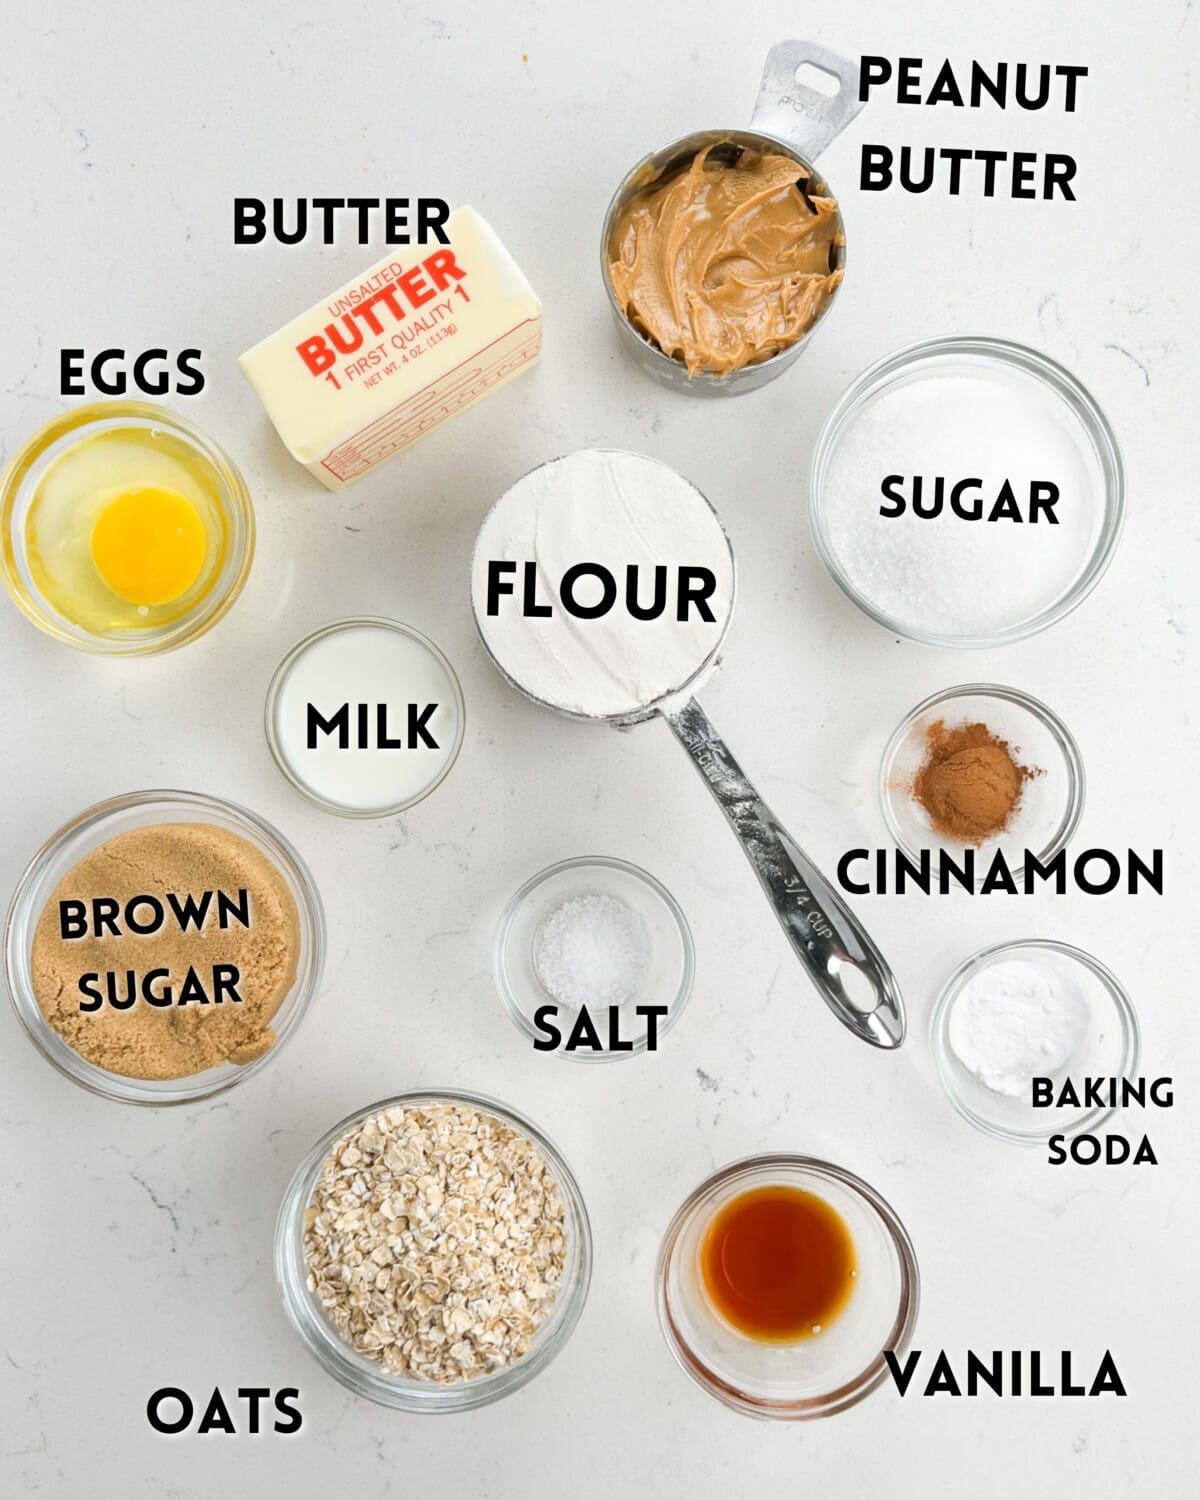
(124, 529)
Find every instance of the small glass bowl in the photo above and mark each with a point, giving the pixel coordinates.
(363, 1376)
(937, 356)
(19, 484)
(660, 165)
(1051, 803)
(1110, 1049)
(86, 832)
(672, 956)
(814, 1377)
(273, 710)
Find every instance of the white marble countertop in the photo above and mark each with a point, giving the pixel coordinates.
(136, 1244)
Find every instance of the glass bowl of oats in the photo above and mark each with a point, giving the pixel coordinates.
(433, 1251)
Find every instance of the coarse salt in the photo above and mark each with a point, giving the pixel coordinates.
(592, 950)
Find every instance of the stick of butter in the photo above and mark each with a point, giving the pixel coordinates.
(397, 351)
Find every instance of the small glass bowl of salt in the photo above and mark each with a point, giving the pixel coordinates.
(1037, 1008)
(600, 934)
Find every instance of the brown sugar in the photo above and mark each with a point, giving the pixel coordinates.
(969, 783)
(198, 990)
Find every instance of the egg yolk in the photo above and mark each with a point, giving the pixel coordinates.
(148, 545)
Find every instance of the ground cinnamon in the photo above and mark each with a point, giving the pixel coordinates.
(969, 783)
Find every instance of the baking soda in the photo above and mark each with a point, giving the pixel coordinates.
(1015, 1020)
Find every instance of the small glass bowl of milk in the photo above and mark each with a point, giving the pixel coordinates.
(365, 717)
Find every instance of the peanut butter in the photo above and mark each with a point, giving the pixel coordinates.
(725, 264)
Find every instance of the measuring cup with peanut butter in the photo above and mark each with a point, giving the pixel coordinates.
(722, 252)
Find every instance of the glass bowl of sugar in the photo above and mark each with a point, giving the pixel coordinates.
(594, 959)
(966, 492)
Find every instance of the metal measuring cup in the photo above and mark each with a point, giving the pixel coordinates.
(843, 962)
(789, 118)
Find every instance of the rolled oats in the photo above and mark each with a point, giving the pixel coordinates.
(435, 1240)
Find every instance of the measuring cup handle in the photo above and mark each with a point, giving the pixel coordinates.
(827, 937)
(800, 116)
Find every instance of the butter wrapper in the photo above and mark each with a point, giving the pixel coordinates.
(424, 333)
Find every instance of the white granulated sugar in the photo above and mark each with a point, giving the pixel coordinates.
(1015, 1020)
(592, 950)
(944, 575)
(614, 509)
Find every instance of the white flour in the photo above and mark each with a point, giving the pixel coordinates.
(615, 509)
(1015, 1020)
(944, 575)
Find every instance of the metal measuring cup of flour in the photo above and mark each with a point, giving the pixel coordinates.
(789, 117)
(840, 957)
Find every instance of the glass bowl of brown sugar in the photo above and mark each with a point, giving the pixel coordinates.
(163, 946)
(978, 782)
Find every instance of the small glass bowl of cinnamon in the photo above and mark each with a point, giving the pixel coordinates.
(986, 768)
